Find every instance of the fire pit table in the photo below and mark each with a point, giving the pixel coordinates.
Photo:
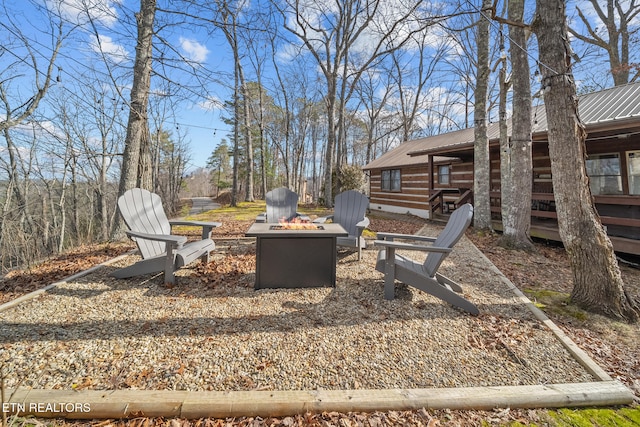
(295, 255)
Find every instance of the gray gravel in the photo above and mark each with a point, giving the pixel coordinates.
(100, 333)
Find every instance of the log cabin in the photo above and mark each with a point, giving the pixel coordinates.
(431, 176)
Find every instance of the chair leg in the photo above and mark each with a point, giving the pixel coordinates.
(169, 268)
(146, 266)
(389, 273)
(434, 287)
(445, 281)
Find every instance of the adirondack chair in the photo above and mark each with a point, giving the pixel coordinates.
(149, 227)
(425, 276)
(350, 212)
(282, 204)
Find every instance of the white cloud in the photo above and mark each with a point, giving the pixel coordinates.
(107, 46)
(210, 104)
(195, 51)
(79, 11)
(288, 52)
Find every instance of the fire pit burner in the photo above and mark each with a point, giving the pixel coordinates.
(296, 226)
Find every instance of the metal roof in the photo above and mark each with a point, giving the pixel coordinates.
(604, 107)
(609, 107)
(399, 156)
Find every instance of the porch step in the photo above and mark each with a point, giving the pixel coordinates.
(439, 217)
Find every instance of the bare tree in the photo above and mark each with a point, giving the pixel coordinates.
(413, 97)
(374, 94)
(218, 163)
(172, 158)
(259, 51)
(22, 62)
(331, 35)
(597, 282)
(229, 13)
(481, 172)
(20, 55)
(515, 157)
(136, 161)
(462, 38)
(101, 155)
(18, 225)
(614, 36)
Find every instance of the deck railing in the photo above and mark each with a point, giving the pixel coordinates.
(443, 200)
(543, 206)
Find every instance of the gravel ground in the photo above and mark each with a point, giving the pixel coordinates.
(100, 333)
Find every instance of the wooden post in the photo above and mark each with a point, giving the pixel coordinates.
(431, 184)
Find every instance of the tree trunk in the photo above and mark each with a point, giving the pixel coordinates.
(331, 141)
(236, 136)
(136, 161)
(506, 183)
(19, 194)
(263, 145)
(482, 166)
(598, 285)
(246, 119)
(517, 221)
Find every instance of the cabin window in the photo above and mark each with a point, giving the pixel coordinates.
(390, 180)
(604, 174)
(443, 174)
(633, 160)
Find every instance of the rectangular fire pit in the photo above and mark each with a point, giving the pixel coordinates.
(295, 255)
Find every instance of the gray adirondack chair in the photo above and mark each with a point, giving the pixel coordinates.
(282, 204)
(149, 227)
(350, 212)
(425, 276)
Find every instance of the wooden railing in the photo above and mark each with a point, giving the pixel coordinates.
(543, 206)
(438, 203)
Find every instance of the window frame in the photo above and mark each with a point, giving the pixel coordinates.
(629, 155)
(448, 174)
(392, 182)
(595, 178)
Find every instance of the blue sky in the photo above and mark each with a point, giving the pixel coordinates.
(196, 117)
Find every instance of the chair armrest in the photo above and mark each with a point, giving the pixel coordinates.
(195, 223)
(364, 223)
(261, 217)
(206, 226)
(392, 236)
(323, 219)
(408, 246)
(167, 238)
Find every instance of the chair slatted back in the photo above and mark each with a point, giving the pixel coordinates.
(458, 222)
(281, 203)
(142, 211)
(350, 208)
